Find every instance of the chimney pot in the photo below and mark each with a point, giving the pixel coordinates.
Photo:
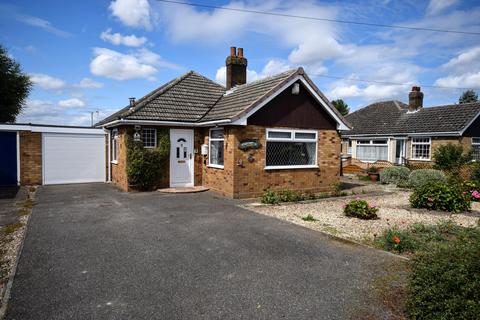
(132, 102)
(236, 68)
(415, 99)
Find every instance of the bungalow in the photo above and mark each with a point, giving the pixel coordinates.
(280, 132)
(396, 132)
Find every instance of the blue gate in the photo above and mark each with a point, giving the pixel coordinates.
(8, 158)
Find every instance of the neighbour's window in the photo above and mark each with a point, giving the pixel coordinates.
(149, 137)
(291, 148)
(215, 148)
(421, 148)
(476, 148)
(372, 150)
(114, 145)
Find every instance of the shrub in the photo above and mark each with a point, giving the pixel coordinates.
(360, 209)
(145, 167)
(439, 196)
(270, 197)
(445, 282)
(395, 175)
(290, 196)
(372, 170)
(475, 176)
(450, 157)
(422, 177)
(396, 240)
(473, 188)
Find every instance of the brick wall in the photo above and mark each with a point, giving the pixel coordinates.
(30, 158)
(251, 179)
(119, 173)
(242, 179)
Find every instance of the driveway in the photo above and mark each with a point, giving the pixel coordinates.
(92, 252)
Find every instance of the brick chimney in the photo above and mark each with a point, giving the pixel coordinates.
(236, 68)
(415, 99)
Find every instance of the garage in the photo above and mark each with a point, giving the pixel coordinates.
(8, 158)
(73, 158)
(45, 154)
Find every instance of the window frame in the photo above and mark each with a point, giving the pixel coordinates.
(412, 144)
(476, 145)
(372, 143)
(114, 146)
(154, 135)
(210, 139)
(291, 139)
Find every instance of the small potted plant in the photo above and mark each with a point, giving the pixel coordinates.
(373, 173)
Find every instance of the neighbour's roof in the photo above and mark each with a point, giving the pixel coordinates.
(194, 98)
(392, 117)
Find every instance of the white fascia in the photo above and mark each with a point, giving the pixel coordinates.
(120, 122)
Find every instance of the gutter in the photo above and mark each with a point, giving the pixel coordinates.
(165, 123)
(415, 134)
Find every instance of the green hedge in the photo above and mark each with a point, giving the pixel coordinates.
(422, 177)
(445, 280)
(145, 167)
(440, 196)
(395, 175)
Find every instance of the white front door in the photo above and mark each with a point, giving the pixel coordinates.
(181, 158)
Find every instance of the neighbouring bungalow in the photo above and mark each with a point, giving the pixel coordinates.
(393, 132)
(280, 132)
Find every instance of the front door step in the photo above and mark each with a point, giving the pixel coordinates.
(184, 189)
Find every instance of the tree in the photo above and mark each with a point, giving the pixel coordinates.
(14, 87)
(468, 96)
(341, 106)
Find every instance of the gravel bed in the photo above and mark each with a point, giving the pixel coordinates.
(394, 210)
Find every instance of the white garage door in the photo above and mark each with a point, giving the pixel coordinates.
(73, 158)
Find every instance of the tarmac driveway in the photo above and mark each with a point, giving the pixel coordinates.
(93, 252)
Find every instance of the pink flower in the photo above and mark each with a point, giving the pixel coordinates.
(429, 199)
(476, 194)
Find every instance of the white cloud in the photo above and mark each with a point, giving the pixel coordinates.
(87, 83)
(48, 112)
(119, 39)
(133, 13)
(71, 103)
(465, 60)
(47, 82)
(437, 6)
(119, 66)
(272, 67)
(468, 80)
(42, 24)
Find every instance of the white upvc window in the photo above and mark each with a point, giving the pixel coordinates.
(291, 149)
(149, 137)
(114, 146)
(421, 148)
(372, 150)
(216, 148)
(476, 148)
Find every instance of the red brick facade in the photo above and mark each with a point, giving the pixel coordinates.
(30, 158)
(240, 178)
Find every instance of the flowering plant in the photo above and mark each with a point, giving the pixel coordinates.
(360, 209)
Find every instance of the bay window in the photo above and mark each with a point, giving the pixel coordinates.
(215, 147)
(291, 149)
(372, 150)
(421, 148)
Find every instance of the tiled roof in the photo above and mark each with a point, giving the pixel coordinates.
(184, 99)
(392, 117)
(195, 98)
(243, 96)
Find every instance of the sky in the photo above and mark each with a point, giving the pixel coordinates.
(92, 55)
